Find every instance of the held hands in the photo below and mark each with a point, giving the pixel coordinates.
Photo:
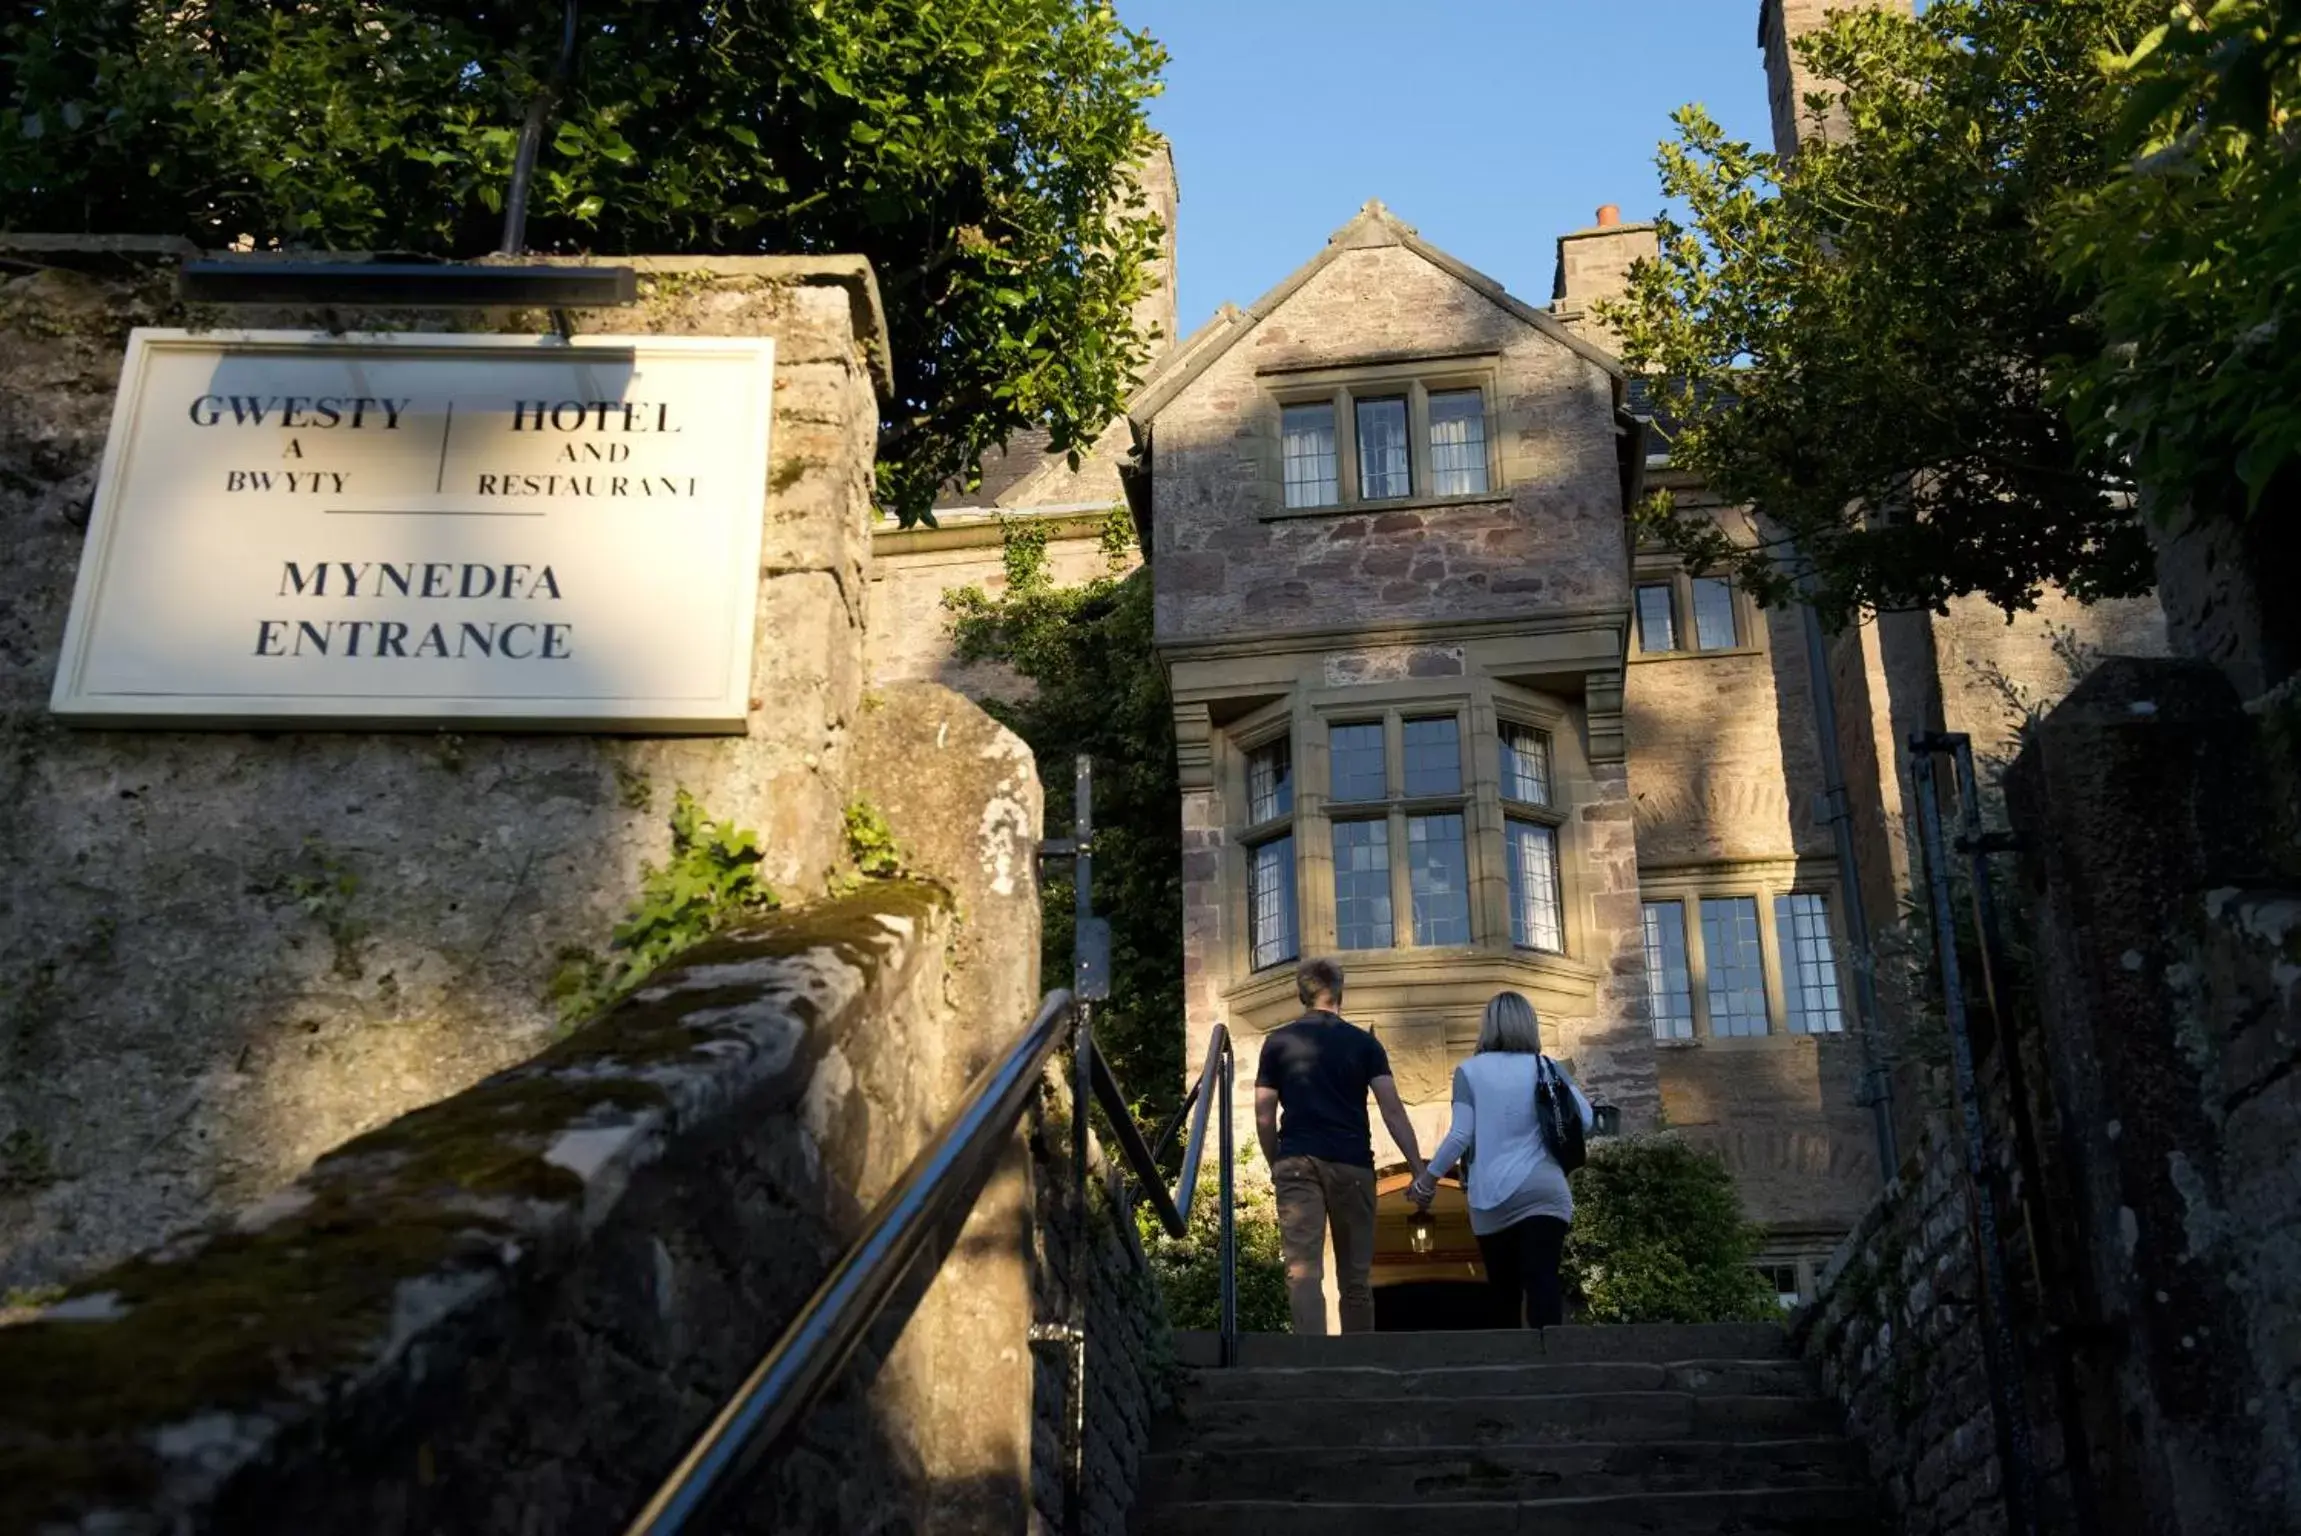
(1423, 1190)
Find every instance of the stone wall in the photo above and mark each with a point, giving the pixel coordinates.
(1898, 1336)
(2150, 1215)
(222, 953)
(912, 569)
(1129, 1349)
(2160, 824)
(512, 1310)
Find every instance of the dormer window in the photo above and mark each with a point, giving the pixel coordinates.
(1410, 438)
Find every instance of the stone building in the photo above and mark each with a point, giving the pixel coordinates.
(1440, 717)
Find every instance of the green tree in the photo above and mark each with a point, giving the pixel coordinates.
(1883, 314)
(1659, 1237)
(2192, 251)
(978, 151)
(1097, 688)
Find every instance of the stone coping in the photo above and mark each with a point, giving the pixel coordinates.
(853, 273)
(137, 1398)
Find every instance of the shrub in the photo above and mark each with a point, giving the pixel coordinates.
(1659, 1237)
(1188, 1268)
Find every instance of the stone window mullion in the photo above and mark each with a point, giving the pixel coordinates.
(1486, 830)
(1697, 965)
(1418, 473)
(1346, 448)
(1769, 948)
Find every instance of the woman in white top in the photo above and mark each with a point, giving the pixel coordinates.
(1520, 1205)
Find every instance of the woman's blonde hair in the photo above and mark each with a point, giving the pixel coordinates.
(1510, 1025)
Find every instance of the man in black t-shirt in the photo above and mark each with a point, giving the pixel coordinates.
(1310, 1114)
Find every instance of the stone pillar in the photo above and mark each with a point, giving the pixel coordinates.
(2164, 969)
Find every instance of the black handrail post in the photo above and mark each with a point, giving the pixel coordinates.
(2000, 1356)
(1227, 1343)
(1083, 1060)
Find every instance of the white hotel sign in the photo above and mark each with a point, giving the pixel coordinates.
(477, 531)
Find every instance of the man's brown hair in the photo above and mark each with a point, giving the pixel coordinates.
(1314, 979)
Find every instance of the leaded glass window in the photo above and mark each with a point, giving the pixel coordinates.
(1362, 885)
(1714, 628)
(1383, 471)
(1434, 756)
(1438, 871)
(1270, 902)
(1534, 919)
(1269, 782)
(1657, 631)
(1809, 965)
(1732, 955)
(1669, 978)
(1354, 762)
(1525, 764)
(1307, 455)
(1457, 442)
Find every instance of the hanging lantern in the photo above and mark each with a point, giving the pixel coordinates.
(1421, 1232)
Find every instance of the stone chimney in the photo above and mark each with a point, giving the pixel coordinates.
(1594, 264)
(1155, 310)
(1788, 81)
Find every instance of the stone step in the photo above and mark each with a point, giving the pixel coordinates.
(1642, 1341)
(1506, 1473)
(1770, 1378)
(1827, 1511)
(1250, 1424)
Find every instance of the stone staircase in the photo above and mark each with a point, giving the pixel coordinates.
(1659, 1430)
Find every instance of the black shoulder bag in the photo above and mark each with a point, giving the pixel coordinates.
(1560, 1121)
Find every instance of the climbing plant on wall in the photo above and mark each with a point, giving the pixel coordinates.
(1097, 689)
(977, 151)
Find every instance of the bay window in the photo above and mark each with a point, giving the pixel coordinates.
(1406, 823)
(1270, 907)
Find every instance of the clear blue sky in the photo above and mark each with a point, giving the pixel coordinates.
(1492, 126)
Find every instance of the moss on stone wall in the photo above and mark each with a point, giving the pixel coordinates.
(246, 1327)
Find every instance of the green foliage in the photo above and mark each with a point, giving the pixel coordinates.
(1659, 1237)
(710, 882)
(977, 151)
(323, 885)
(871, 842)
(29, 1298)
(1098, 689)
(1189, 1269)
(2191, 249)
(1885, 315)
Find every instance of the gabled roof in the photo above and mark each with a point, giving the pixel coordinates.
(1373, 226)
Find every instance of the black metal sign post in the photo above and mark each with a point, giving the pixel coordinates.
(1091, 984)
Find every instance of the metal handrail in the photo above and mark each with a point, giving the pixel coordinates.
(818, 1342)
(1209, 1095)
(946, 1177)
